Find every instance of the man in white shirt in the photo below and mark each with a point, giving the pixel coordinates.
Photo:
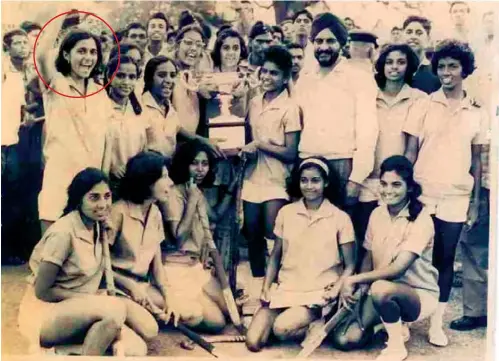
(157, 29)
(302, 22)
(339, 108)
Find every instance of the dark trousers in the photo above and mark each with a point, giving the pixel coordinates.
(475, 254)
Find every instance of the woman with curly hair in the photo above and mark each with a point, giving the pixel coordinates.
(445, 146)
(396, 103)
(306, 276)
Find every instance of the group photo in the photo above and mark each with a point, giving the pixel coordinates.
(262, 179)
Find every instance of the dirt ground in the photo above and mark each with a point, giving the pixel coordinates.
(467, 346)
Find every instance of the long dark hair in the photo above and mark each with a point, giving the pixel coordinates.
(184, 157)
(333, 191)
(70, 40)
(151, 67)
(412, 63)
(112, 66)
(142, 171)
(81, 184)
(404, 168)
(227, 33)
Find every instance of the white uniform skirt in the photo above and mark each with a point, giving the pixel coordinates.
(186, 281)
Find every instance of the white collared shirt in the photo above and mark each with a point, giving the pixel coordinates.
(339, 112)
(13, 100)
(311, 257)
(387, 237)
(445, 140)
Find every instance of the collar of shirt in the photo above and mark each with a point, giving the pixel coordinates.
(162, 51)
(149, 102)
(277, 103)
(81, 231)
(135, 211)
(404, 93)
(325, 210)
(72, 88)
(126, 109)
(439, 97)
(404, 213)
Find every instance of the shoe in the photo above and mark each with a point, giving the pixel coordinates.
(437, 337)
(406, 333)
(393, 353)
(467, 323)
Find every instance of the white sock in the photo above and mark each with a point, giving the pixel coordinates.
(437, 317)
(394, 331)
(270, 245)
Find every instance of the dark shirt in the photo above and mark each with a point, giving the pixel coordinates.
(425, 80)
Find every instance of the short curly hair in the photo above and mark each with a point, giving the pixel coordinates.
(280, 56)
(412, 63)
(455, 49)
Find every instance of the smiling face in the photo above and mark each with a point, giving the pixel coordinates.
(326, 48)
(393, 189)
(199, 167)
(157, 29)
(96, 203)
(395, 66)
(83, 58)
(450, 73)
(272, 78)
(124, 82)
(161, 188)
(230, 52)
(164, 80)
(416, 37)
(312, 184)
(190, 48)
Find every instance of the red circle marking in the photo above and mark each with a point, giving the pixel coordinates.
(73, 12)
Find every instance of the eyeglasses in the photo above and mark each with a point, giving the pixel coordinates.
(191, 43)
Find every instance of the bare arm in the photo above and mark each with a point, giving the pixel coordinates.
(411, 148)
(273, 265)
(476, 172)
(158, 273)
(286, 153)
(45, 289)
(182, 230)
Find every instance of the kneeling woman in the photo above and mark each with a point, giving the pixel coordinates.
(396, 271)
(314, 250)
(63, 304)
(189, 214)
(135, 247)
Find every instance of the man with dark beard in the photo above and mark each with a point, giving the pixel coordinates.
(339, 106)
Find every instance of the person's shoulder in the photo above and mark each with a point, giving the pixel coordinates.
(64, 226)
(418, 94)
(291, 208)
(424, 219)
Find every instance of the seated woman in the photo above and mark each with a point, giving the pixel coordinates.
(396, 270)
(63, 303)
(314, 250)
(188, 216)
(135, 247)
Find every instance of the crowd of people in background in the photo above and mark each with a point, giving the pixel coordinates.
(364, 165)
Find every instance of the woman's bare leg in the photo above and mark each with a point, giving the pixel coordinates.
(293, 323)
(260, 328)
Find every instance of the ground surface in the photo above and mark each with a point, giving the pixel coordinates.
(467, 346)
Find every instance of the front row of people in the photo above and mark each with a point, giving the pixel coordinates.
(312, 263)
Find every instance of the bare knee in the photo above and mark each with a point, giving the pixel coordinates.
(381, 291)
(149, 329)
(137, 348)
(282, 329)
(350, 340)
(114, 310)
(253, 341)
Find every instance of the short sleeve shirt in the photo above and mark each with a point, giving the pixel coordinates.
(70, 245)
(387, 237)
(137, 238)
(445, 139)
(168, 126)
(311, 257)
(271, 123)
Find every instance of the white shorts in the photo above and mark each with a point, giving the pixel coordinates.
(428, 302)
(255, 193)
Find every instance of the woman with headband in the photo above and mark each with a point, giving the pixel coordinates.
(306, 276)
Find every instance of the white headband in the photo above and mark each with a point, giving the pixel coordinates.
(315, 161)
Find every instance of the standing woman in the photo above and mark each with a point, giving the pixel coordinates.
(445, 144)
(62, 303)
(74, 127)
(314, 250)
(275, 129)
(160, 81)
(397, 273)
(126, 134)
(396, 103)
(135, 250)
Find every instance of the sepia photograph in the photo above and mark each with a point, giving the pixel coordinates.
(249, 179)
